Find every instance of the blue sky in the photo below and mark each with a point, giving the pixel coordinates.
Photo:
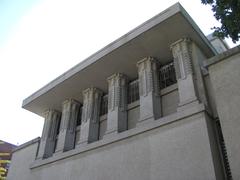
(41, 39)
(11, 12)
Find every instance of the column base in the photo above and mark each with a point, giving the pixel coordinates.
(82, 144)
(109, 134)
(39, 158)
(142, 122)
(59, 151)
(187, 104)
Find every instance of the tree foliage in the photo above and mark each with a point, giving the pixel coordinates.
(228, 13)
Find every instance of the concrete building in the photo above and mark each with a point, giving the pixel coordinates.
(161, 110)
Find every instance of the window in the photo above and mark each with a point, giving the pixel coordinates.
(104, 105)
(79, 118)
(167, 75)
(133, 91)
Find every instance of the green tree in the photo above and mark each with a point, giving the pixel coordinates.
(228, 13)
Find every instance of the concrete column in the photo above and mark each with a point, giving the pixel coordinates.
(117, 104)
(150, 102)
(184, 72)
(70, 114)
(48, 139)
(90, 116)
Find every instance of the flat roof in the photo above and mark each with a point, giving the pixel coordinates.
(152, 38)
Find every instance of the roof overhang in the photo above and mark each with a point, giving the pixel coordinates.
(152, 38)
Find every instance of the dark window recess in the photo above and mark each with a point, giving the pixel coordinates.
(79, 118)
(223, 151)
(167, 75)
(133, 91)
(55, 143)
(58, 125)
(58, 130)
(104, 105)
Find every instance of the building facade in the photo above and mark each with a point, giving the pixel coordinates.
(5, 158)
(158, 103)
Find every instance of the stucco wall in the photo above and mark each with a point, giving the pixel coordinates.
(180, 150)
(225, 78)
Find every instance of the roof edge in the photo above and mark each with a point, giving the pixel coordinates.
(147, 25)
(26, 144)
(231, 52)
(174, 9)
(197, 29)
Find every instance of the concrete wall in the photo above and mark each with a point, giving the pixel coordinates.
(21, 160)
(170, 101)
(103, 126)
(210, 95)
(198, 58)
(180, 150)
(77, 135)
(133, 116)
(225, 77)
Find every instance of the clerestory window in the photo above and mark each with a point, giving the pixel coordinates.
(167, 75)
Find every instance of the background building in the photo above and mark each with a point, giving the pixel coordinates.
(158, 103)
(5, 157)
